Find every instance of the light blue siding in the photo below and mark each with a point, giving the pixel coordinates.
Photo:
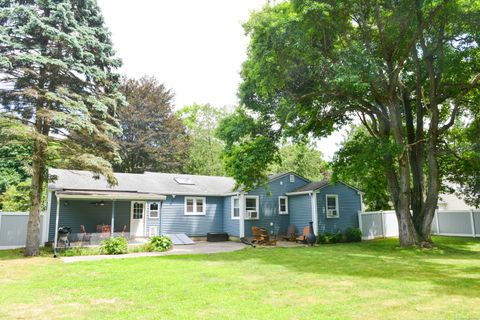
(300, 211)
(349, 203)
(174, 220)
(85, 212)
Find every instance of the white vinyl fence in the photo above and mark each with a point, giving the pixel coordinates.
(13, 229)
(378, 224)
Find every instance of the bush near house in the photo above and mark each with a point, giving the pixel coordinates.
(113, 245)
(159, 244)
(350, 235)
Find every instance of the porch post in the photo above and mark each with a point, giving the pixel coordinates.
(57, 218)
(314, 212)
(241, 204)
(113, 218)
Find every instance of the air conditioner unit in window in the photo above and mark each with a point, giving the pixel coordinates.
(251, 215)
(332, 213)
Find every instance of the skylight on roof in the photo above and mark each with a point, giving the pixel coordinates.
(184, 181)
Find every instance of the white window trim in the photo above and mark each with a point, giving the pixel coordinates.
(233, 208)
(195, 213)
(292, 178)
(158, 211)
(286, 205)
(336, 205)
(257, 207)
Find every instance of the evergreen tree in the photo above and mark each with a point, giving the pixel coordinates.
(57, 78)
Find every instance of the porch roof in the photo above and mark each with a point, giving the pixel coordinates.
(108, 195)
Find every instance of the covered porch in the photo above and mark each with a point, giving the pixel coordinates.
(85, 218)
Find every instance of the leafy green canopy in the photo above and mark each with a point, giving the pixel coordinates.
(359, 163)
(303, 159)
(56, 67)
(205, 154)
(407, 69)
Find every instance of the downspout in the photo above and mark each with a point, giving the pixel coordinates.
(241, 200)
(313, 198)
(160, 218)
(113, 218)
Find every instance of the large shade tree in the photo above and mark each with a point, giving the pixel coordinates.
(153, 138)
(407, 69)
(205, 154)
(57, 78)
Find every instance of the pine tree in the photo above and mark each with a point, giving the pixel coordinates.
(57, 78)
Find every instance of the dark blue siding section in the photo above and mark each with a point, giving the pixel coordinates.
(268, 197)
(300, 211)
(174, 220)
(79, 212)
(349, 204)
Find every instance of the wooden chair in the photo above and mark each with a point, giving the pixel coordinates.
(303, 237)
(258, 238)
(106, 231)
(266, 236)
(86, 237)
(291, 233)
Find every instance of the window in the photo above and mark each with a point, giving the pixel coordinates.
(138, 210)
(154, 211)
(283, 205)
(235, 208)
(332, 206)
(195, 206)
(251, 208)
(292, 178)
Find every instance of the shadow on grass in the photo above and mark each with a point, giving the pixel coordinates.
(453, 266)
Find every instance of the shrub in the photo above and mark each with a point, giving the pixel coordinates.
(113, 245)
(159, 244)
(329, 237)
(336, 237)
(322, 238)
(353, 235)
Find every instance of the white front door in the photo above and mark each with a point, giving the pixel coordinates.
(137, 219)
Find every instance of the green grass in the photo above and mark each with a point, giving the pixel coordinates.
(369, 280)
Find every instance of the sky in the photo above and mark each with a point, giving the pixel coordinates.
(195, 47)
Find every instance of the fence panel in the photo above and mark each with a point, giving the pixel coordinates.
(391, 224)
(371, 224)
(455, 223)
(476, 222)
(376, 224)
(13, 229)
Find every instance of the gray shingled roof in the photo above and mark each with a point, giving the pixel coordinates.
(148, 182)
(312, 186)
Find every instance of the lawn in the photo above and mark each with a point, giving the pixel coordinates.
(374, 280)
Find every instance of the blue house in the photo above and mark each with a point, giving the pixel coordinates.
(148, 204)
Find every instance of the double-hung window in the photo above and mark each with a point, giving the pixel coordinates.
(332, 206)
(195, 206)
(283, 205)
(251, 208)
(153, 210)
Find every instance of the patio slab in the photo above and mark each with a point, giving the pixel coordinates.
(200, 247)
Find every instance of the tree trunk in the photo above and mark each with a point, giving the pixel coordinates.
(38, 170)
